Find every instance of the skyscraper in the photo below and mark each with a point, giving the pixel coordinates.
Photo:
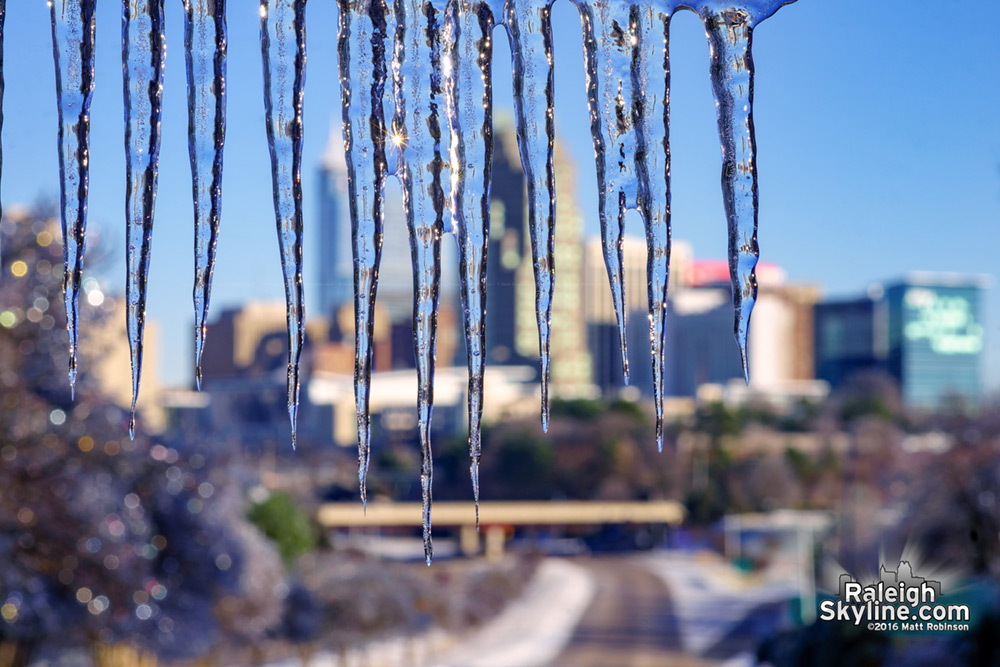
(509, 237)
(335, 263)
(511, 326)
(599, 310)
(395, 283)
(925, 331)
(934, 336)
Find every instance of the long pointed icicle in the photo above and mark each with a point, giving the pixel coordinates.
(529, 27)
(651, 115)
(416, 132)
(468, 86)
(730, 37)
(363, 72)
(608, 49)
(283, 48)
(143, 56)
(628, 90)
(73, 32)
(205, 50)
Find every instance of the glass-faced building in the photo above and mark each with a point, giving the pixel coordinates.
(335, 261)
(845, 339)
(935, 338)
(926, 331)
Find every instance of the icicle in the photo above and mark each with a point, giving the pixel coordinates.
(469, 92)
(730, 36)
(205, 50)
(73, 30)
(628, 91)
(730, 33)
(283, 47)
(529, 28)
(416, 132)
(444, 47)
(651, 111)
(607, 49)
(143, 54)
(363, 70)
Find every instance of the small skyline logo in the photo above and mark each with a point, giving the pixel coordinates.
(902, 576)
(896, 600)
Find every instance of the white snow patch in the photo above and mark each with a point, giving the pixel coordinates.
(709, 597)
(533, 629)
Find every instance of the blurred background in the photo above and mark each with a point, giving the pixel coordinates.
(870, 428)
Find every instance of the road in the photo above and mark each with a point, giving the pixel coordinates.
(632, 622)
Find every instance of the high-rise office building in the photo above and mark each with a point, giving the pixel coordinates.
(700, 347)
(508, 242)
(336, 258)
(925, 331)
(599, 310)
(335, 262)
(511, 325)
(845, 339)
(781, 336)
(395, 284)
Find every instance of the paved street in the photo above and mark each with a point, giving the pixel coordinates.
(630, 621)
(635, 618)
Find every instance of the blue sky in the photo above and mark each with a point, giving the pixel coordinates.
(877, 129)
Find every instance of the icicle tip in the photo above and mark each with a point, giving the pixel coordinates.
(364, 496)
(745, 360)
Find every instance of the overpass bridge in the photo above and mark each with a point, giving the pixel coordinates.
(496, 516)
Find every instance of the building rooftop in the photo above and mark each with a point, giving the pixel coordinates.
(942, 279)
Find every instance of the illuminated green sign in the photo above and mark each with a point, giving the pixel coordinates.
(946, 322)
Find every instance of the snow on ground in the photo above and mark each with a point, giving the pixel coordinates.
(533, 629)
(710, 598)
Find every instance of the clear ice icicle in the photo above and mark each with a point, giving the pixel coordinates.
(607, 50)
(628, 92)
(283, 48)
(73, 31)
(363, 70)
(442, 51)
(729, 27)
(417, 137)
(469, 93)
(205, 54)
(143, 54)
(529, 28)
(651, 109)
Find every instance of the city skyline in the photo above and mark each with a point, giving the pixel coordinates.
(904, 163)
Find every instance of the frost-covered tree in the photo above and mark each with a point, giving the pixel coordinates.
(103, 540)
